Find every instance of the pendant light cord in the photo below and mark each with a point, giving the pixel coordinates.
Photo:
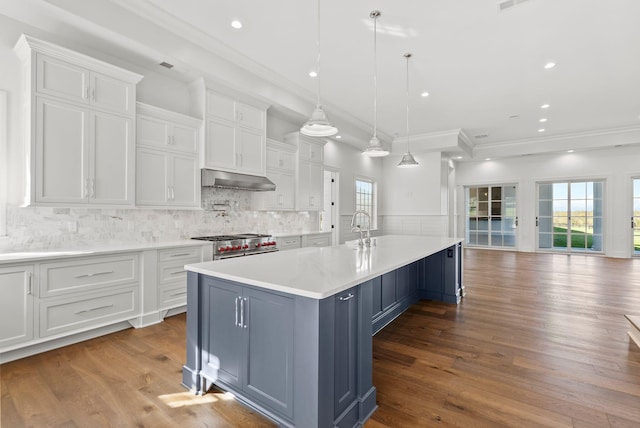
(408, 55)
(318, 59)
(375, 15)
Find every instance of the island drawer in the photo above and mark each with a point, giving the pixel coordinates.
(89, 311)
(86, 274)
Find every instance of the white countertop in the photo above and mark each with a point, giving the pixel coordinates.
(106, 248)
(322, 272)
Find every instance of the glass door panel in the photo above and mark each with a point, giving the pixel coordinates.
(491, 216)
(570, 216)
(635, 219)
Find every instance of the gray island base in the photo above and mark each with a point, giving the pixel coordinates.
(290, 333)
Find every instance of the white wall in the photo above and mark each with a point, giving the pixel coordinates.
(616, 166)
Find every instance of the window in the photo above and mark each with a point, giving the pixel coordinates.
(366, 201)
(570, 216)
(491, 216)
(636, 217)
(3, 163)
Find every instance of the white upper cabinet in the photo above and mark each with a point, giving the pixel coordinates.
(281, 169)
(80, 128)
(235, 134)
(163, 129)
(310, 171)
(167, 172)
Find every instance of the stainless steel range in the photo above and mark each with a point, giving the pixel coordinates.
(246, 244)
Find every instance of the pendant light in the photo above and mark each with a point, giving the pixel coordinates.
(375, 149)
(318, 125)
(408, 161)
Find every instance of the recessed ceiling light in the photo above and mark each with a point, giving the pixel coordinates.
(549, 65)
(338, 136)
(236, 24)
(424, 94)
(487, 159)
(545, 106)
(543, 120)
(570, 151)
(541, 130)
(458, 157)
(313, 74)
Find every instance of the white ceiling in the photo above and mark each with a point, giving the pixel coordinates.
(479, 65)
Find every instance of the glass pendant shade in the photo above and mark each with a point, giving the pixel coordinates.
(408, 161)
(375, 149)
(318, 125)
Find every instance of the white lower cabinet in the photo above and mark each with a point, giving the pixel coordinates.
(172, 278)
(16, 304)
(317, 240)
(288, 243)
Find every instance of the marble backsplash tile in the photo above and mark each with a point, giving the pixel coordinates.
(225, 212)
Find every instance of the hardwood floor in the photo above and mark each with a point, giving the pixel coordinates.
(539, 340)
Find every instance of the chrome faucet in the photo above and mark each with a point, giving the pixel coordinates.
(366, 242)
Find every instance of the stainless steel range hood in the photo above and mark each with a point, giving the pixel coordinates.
(233, 180)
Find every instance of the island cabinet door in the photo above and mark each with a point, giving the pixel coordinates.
(269, 323)
(389, 283)
(223, 348)
(346, 351)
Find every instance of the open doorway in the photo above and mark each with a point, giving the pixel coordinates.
(329, 214)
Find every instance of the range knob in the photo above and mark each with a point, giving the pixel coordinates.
(222, 250)
(227, 248)
(245, 246)
(258, 245)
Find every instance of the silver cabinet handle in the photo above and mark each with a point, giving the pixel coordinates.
(86, 188)
(236, 324)
(92, 187)
(86, 93)
(29, 283)
(93, 94)
(89, 275)
(347, 297)
(93, 309)
(180, 255)
(242, 320)
(182, 293)
(178, 272)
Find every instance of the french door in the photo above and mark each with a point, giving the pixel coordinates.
(570, 216)
(491, 219)
(635, 219)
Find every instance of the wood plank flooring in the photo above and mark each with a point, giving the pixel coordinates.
(539, 340)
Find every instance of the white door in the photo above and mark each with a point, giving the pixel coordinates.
(152, 132)
(16, 305)
(152, 187)
(112, 94)
(62, 152)
(111, 160)
(635, 217)
(184, 138)
(220, 149)
(329, 218)
(250, 116)
(184, 186)
(251, 146)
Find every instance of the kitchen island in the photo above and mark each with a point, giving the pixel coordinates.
(290, 333)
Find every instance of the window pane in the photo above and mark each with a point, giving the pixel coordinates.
(483, 193)
(496, 208)
(578, 190)
(560, 190)
(496, 193)
(545, 191)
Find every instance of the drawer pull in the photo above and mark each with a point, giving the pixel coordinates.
(347, 297)
(182, 293)
(180, 255)
(89, 275)
(178, 272)
(93, 309)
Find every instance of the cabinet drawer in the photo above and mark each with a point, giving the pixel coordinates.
(172, 272)
(288, 243)
(180, 254)
(173, 295)
(72, 276)
(88, 311)
(316, 241)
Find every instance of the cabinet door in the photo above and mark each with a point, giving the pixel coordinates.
(184, 138)
(16, 305)
(152, 185)
(62, 152)
(221, 106)
(112, 94)
(223, 350)
(251, 147)
(346, 350)
(111, 159)
(62, 79)
(269, 365)
(184, 185)
(152, 132)
(388, 295)
(311, 182)
(250, 116)
(220, 145)
(285, 189)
